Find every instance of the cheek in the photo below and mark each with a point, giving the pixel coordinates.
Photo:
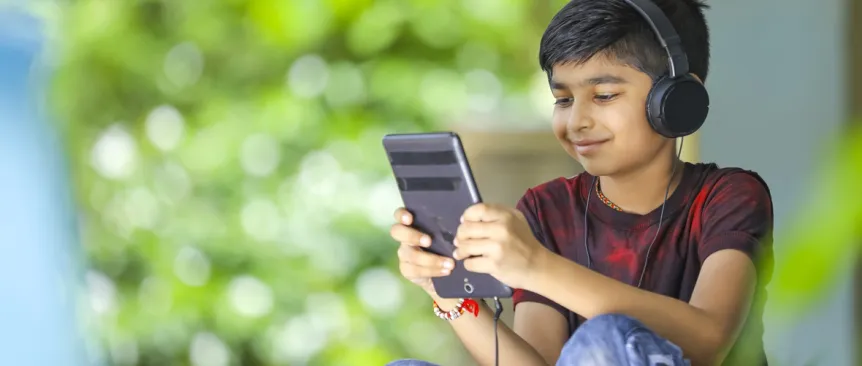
(641, 146)
(558, 124)
(633, 135)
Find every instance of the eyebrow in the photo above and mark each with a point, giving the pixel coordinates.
(593, 81)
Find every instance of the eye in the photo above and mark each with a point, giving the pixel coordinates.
(563, 101)
(604, 98)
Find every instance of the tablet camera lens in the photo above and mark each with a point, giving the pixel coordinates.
(468, 288)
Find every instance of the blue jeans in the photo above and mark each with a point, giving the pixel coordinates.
(612, 340)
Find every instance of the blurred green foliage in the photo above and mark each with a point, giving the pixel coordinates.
(226, 157)
(234, 199)
(824, 239)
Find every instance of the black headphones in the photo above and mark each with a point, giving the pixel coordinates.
(678, 103)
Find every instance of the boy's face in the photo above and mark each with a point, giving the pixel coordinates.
(600, 116)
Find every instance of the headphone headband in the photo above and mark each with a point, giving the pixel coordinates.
(669, 39)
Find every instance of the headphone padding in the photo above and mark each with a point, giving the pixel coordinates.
(677, 107)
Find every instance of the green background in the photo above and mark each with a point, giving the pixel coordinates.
(233, 193)
(234, 197)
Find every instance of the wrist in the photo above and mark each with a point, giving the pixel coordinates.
(444, 304)
(540, 263)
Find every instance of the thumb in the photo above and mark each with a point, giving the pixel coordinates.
(484, 212)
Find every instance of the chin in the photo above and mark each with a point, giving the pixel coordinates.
(597, 169)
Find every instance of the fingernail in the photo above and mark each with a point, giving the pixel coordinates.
(455, 242)
(425, 241)
(405, 219)
(448, 264)
(455, 254)
(445, 271)
(462, 219)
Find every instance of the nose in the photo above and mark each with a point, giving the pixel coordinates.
(579, 118)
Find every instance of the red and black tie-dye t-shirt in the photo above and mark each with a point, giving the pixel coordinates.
(712, 209)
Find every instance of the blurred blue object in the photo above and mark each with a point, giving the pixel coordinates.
(40, 271)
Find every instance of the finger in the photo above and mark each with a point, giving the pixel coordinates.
(414, 272)
(406, 234)
(477, 247)
(484, 212)
(479, 265)
(416, 256)
(478, 230)
(403, 216)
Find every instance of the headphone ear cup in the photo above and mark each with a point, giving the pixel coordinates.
(677, 107)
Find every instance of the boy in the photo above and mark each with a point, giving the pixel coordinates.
(640, 260)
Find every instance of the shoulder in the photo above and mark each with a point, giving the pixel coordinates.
(557, 194)
(733, 199)
(734, 211)
(553, 203)
(733, 186)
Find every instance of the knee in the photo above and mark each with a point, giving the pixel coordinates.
(599, 341)
(605, 330)
(609, 324)
(614, 339)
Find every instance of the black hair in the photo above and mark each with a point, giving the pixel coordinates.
(583, 29)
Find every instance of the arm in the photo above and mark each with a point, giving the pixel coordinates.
(537, 339)
(702, 327)
(736, 219)
(540, 328)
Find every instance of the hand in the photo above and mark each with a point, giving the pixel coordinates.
(497, 240)
(415, 264)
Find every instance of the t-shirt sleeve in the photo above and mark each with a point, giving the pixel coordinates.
(738, 215)
(527, 206)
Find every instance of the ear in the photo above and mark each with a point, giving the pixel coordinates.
(696, 77)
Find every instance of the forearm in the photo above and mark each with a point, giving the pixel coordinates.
(477, 335)
(589, 294)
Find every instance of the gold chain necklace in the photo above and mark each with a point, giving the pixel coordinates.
(605, 199)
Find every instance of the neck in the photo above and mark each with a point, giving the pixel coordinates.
(643, 190)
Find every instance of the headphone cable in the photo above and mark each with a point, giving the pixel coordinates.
(660, 220)
(498, 309)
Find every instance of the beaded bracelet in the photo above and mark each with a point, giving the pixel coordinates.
(468, 305)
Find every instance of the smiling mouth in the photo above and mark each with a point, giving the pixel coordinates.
(587, 147)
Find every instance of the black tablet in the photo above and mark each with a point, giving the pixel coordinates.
(437, 186)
